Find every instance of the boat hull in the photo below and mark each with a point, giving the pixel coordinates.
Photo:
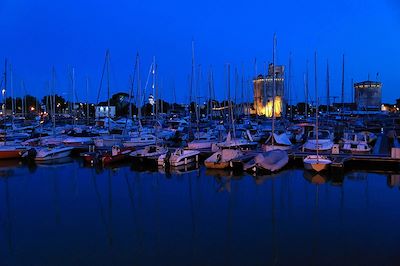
(185, 161)
(53, 155)
(312, 163)
(12, 154)
(215, 165)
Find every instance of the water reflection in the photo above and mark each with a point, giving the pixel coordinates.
(315, 178)
(393, 181)
(8, 217)
(71, 214)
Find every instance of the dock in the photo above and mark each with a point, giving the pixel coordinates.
(385, 155)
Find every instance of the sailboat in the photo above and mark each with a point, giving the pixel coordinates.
(275, 157)
(8, 151)
(277, 142)
(231, 148)
(316, 162)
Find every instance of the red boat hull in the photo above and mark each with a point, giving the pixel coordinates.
(11, 154)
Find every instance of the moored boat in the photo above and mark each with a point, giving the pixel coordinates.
(117, 154)
(222, 159)
(140, 140)
(317, 163)
(12, 151)
(271, 161)
(356, 143)
(151, 151)
(277, 142)
(321, 142)
(52, 153)
(179, 157)
(78, 142)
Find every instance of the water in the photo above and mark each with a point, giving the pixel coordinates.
(72, 215)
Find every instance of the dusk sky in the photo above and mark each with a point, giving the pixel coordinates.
(40, 34)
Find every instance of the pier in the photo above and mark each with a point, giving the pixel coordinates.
(384, 156)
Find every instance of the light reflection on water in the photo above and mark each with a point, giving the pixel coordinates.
(63, 214)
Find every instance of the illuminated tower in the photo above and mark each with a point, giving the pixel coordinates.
(368, 95)
(263, 92)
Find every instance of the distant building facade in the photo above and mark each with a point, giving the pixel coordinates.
(264, 92)
(102, 111)
(368, 95)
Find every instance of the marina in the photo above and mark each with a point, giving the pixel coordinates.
(199, 132)
(152, 186)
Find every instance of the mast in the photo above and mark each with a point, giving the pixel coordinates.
(316, 101)
(306, 89)
(87, 100)
(212, 92)
(229, 101)
(12, 92)
(343, 87)
(198, 97)
(139, 100)
(160, 85)
(255, 78)
(153, 86)
(328, 101)
(192, 80)
(3, 92)
(132, 81)
(23, 102)
(108, 88)
(273, 88)
(242, 92)
(236, 89)
(47, 98)
(264, 95)
(73, 96)
(209, 94)
(54, 100)
(290, 86)
(157, 96)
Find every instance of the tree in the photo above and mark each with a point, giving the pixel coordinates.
(30, 102)
(61, 103)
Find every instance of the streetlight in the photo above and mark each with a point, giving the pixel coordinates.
(3, 107)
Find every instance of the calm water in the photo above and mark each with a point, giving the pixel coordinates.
(71, 215)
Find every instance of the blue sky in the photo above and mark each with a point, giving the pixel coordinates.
(40, 34)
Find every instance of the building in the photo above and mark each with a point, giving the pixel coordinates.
(368, 95)
(102, 111)
(264, 91)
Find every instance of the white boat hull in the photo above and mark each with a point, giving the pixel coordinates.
(195, 145)
(179, 159)
(53, 155)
